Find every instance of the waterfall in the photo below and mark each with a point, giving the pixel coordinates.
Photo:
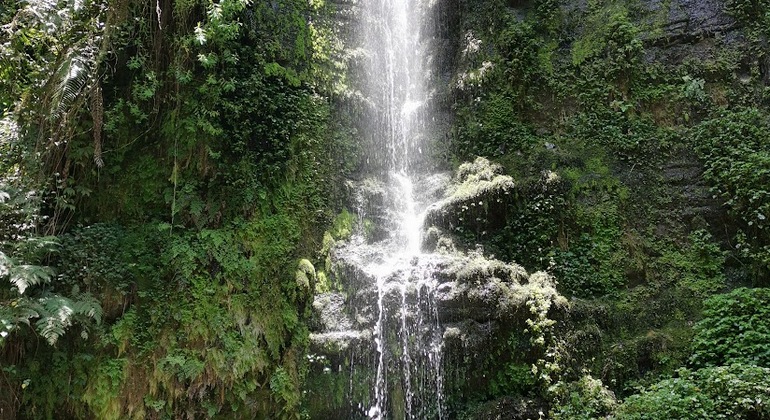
(381, 329)
(406, 333)
(406, 300)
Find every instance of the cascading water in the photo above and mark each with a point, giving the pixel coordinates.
(406, 333)
(381, 328)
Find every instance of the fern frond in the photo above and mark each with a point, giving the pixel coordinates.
(25, 309)
(5, 264)
(86, 305)
(56, 317)
(57, 313)
(36, 248)
(45, 12)
(24, 275)
(72, 76)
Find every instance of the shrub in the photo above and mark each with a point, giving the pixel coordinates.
(586, 398)
(725, 392)
(735, 329)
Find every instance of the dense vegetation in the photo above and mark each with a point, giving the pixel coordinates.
(641, 186)
(163, 171)
(168, 171)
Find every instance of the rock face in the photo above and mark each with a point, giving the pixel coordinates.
(684, 178)
(448, 308)
(406, 322)
(475, 200)
(688, 21)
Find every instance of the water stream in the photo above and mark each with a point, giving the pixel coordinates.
(381, 329)
(406, 333)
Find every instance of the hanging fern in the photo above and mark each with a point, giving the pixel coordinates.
(72, 76)
(23, 275)
(56, 313)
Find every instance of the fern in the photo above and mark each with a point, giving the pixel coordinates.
(54, 313)
(57, 316)
(5, 264)
(57, 313)
(72, 68)
(23, 275)
(73, 75)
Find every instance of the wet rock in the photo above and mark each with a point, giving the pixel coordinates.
(468, 336)
(693, 199)
(329, 313)
(476, 199)
(483, 289)
(477, 268)
(438, 241)
(687, 20)
(404, 308)
(687, 29)
(461, 301)
(335, 344)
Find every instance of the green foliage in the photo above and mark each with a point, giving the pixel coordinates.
(547, 14)
(651, 322)
(589, 264)
(749, 12)
(512, 379)
(220, 165)
(103, 387)
(734, 151)
(218, 169)
(725, 392)
(534, 223)
(735, 329)
(285, 388)
(584, 399)
(343, 225)
(520, 63)
(615, 110)
(541, 328)
(525, 359)
(491, 127)
(51, 309)
(698, 267)
(612, 37)
(632, 140)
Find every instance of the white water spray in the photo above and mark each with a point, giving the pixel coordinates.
(406, 334)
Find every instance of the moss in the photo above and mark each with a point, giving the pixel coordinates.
(478, 180)
(476, 202)
(597, 30)
(322, 283)
(477, 268)
(342, 227)
(306, 276)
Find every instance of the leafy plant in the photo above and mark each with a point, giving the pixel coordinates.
(586, 398)
(32, 292)
(733, 148)
(735, 329)
(725, 392)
